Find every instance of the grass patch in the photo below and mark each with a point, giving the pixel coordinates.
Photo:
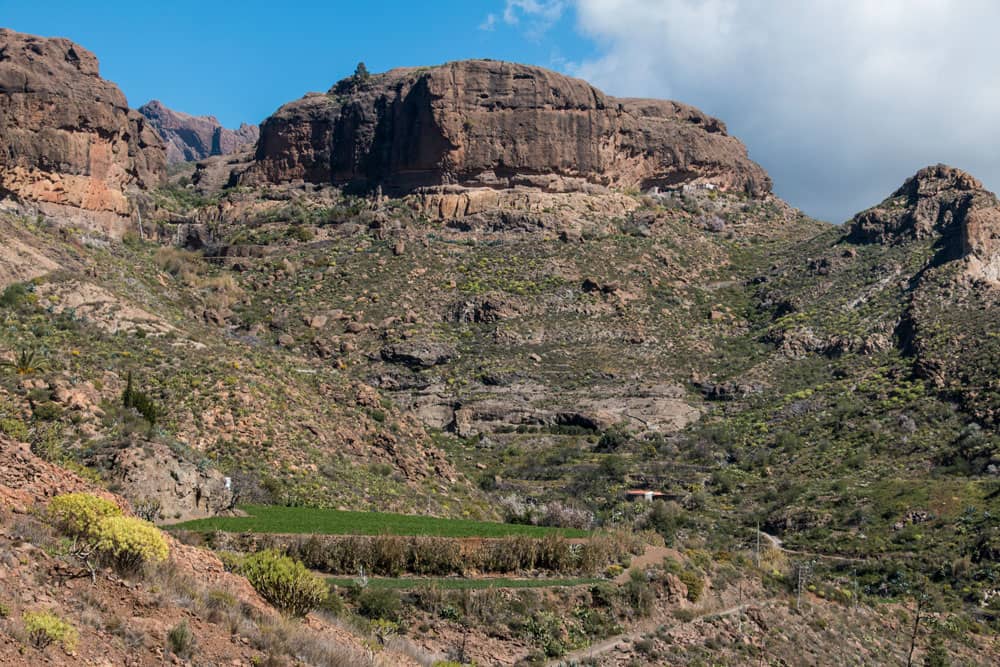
(308, 520)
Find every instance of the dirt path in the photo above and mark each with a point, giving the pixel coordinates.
(635, 634)
(778, 543)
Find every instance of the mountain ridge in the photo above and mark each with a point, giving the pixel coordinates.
(525, 317)
(190, 138)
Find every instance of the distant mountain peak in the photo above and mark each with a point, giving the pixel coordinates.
(189, 138)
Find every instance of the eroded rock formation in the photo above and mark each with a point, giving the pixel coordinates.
(483, 123)
(68, 142)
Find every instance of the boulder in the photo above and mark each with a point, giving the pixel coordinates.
(149, 472)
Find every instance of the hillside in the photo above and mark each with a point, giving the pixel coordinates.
(487, 291)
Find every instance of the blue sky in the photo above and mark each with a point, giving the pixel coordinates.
(840, 100)
(241, 61)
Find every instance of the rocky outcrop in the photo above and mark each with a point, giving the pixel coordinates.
(189, 138)
(418, 354)
(483, 123)
(69, 145)
(499, 405)
(939, 202)
(150, 475)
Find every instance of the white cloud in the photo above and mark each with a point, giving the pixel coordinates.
(534, 16)
(839, 100)
(489, 23)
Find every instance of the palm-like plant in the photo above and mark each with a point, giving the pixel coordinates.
(28, 361)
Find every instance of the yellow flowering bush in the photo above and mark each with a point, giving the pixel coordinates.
(78, 514)
(284, 582)
(44, 628)
(130, 542)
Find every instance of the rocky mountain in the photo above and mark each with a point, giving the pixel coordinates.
(189, 138)
(69, 144)
(944, 203)
(481, 288)
(483, 123)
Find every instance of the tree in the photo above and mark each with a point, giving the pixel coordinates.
(361, 73)
(139, 401)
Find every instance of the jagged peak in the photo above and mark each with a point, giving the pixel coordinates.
(936, 179)
(944, 203)
(935, 201)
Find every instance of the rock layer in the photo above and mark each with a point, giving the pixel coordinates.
(484, 123)
(68, 141)
(939, 201)
(189, 138)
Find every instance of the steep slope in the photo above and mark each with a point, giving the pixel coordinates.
(129, 619)
(189, 138)
(483, 123)
(69, 145)
(283, 426)
(948, 325)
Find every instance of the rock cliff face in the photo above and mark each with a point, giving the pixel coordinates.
(68, 142)
(939, 201)
(484, 123)
(189, 138)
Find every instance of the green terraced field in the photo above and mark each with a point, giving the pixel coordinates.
(274, 519)
(451, 583)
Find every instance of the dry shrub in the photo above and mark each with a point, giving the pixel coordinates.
(774, 561)
(221, 291)
(436, 555)
(554, 554)
(184, 265)
(390, 554)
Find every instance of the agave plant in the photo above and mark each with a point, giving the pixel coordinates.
(28, 361)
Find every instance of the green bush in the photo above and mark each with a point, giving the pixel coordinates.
(77, 514)
(47, 411)
(130, 542)
(181, 640)
(379, 603)
(695, 583)
(14, 295)
(639, 593)
(15, 429)
(140, 401)
(284, 582)
(689, 576)
(44, 628)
